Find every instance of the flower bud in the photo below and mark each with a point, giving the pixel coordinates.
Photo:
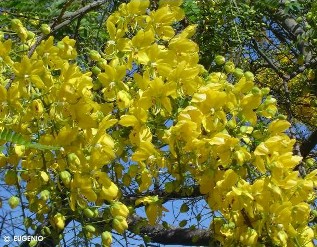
(45, 29)
(119, 224)
(88, 213)
(106, 238)
(220, 60)
(94, 55)
(14, 202)
(59, 221)
(119, 209)
(90, 228)
(66, 177)
(229, 67)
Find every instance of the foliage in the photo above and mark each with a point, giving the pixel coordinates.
(85, 28)
(278, 37)
(17, 139)
(147, 118)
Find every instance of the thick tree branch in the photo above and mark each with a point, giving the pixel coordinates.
(308, 145)
(311, 64)
(294, 29)
(172, 236)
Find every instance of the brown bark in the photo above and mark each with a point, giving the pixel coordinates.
(308, 145)
(173, 236)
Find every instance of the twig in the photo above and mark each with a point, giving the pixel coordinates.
(270, 62)
(2, 224)
(22, 204)
(60, 17)
(67, 19)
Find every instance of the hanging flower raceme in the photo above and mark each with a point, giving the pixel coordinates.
(151, 109)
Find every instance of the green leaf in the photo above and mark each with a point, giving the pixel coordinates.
(184, 208)
(198, 217)
(16, 138)
(165, 225)
(182, 223)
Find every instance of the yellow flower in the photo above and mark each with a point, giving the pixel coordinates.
(67, 48)
(59, 221)
(153, 211)
(158, 94)
(81, 185)
(37, 107)
(123, 99)
(249, 237)
(5, 48)
(278, 126)
(249, 103)
(29, 71)
(109, 193)
(145, 180)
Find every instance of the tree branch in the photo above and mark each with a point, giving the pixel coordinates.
(311, 64)
(60, 17)
(294, 29)
(173, 236)
(80, 12)
(308, 145)
(269, 61)
(181, 194)
(65, 20)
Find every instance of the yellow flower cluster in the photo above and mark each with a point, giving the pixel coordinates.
(239, 163)
(152, 93)
(49, 100)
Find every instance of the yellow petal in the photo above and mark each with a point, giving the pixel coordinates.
(278, 126)
(128, 120)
